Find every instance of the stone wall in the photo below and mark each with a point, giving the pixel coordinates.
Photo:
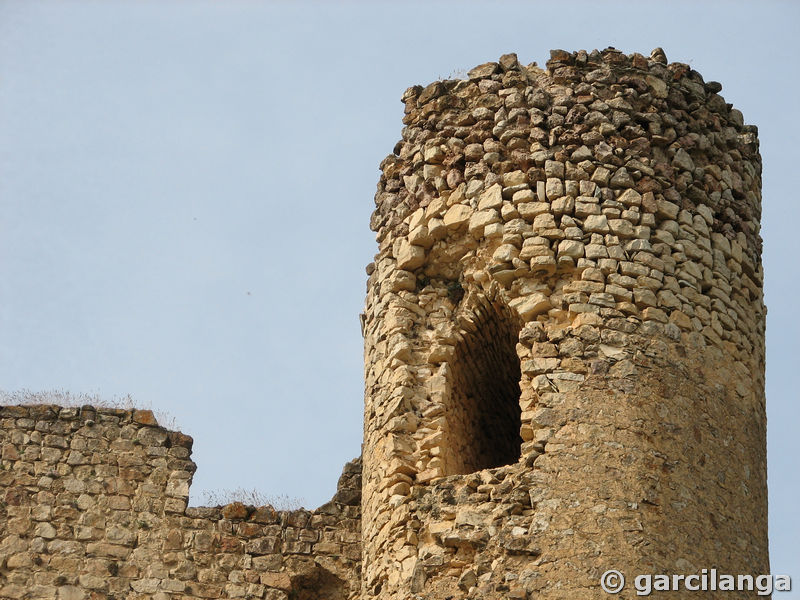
(564, 334)
(93, 505)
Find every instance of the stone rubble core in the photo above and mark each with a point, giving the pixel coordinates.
(564, 334)
(564, 372)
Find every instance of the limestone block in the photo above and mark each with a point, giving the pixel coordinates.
(457, 216)
(480, 219)
(621, 228)
(596, 223)
(420, 236)
(530, 210)
(529, 307)
(554, 188)
(505, 253)
(571, 248)
(491, 198)
(667, 209)
(524, 195)
(434, 154)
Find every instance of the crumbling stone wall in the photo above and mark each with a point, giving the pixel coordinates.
(93, 505)
(595, 224)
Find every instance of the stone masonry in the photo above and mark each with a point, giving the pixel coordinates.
(564, 334)
(93, 505)
(564, 373)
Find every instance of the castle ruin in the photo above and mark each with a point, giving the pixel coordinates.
(564, 373)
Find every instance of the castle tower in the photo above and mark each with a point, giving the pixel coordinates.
(564, 334)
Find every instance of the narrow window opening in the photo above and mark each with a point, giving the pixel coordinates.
(485, 408)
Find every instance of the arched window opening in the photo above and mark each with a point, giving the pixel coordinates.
(484, 419)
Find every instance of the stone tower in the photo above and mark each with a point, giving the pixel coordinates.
(564, 334)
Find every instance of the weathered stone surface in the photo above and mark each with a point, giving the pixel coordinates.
(596, 224)
(564, 398)
(457, 216)
(410, 257)
(116, 535)
(531, 306)
(491, 198)
(682, 160)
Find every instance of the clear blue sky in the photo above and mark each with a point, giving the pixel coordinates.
(185, 189)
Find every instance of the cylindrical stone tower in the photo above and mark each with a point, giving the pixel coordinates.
(564, 335)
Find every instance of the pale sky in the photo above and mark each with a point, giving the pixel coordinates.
(185, 191)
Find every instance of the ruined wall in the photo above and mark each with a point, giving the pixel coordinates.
(564, 334)
(93, 505)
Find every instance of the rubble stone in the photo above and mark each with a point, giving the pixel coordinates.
(570, 377)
